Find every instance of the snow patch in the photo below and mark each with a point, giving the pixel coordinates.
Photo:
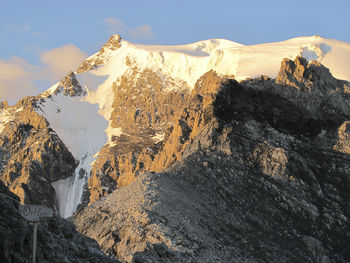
(76, 122)
(82, 129)
(158, 137)
(111, 132)
(315, 52)
(90, 81)
(19, 109)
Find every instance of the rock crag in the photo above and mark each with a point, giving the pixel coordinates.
(32, 156)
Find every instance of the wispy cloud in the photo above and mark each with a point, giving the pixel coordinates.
(58, 61)
(115, 25)
(144, 31)
(18, 77)
(23, 29)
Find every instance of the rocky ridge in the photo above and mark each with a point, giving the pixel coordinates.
(70, 86)
(145, 113)
(112, 44)
(32, 156)
(258, 172)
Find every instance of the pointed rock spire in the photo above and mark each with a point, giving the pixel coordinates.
(113, 43)
(306, 76)
(70, 86)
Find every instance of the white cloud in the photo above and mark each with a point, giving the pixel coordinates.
(59, 61)
(144, 31)
(18, 78)
(115, 25)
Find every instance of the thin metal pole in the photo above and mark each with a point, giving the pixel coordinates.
(35, 230)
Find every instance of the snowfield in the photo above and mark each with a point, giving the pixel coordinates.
(83, 123)
(189, 62)
(81, 128)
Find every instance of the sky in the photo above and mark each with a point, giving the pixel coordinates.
(42, 40)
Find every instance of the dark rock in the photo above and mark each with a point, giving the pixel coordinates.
(58, 241)
(70, 86)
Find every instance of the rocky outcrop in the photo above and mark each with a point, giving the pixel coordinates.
(113, 43)
(145, 112)
(196, 114)
(32, 156)
(70, 86)
(259, 172)
(312, 86)
(306, 77)
(58, 241)
(100, 58)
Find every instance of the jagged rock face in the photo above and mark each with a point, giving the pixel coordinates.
(195, 114)
(143, 110)
(314, 87)
(259, 172)
(70, 86)
(32, 156)
(58, 241)
(145, 113)
(304, 76)
(112, 44)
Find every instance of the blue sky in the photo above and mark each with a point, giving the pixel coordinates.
(32, 29)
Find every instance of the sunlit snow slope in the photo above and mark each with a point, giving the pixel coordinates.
(189, 62)
(83, 123)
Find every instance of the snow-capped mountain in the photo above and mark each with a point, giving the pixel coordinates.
(207, 152)
(178, 67)
(97, 109)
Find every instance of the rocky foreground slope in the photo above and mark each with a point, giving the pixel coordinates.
(262, 175)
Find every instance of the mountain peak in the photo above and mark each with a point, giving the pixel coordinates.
(69, 86)
(113, 43)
